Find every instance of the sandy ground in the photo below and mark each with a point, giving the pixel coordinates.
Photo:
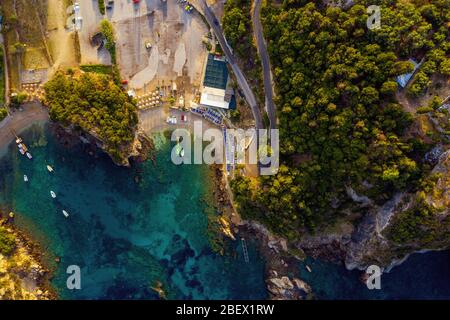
(176, 39)
(90, 25)
(21, 120)
(154, 120)
(439, 87)
(61, 39)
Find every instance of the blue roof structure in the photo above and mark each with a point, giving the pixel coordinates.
(403, 79)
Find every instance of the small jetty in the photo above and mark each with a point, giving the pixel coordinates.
(245, 250)
(23, 149)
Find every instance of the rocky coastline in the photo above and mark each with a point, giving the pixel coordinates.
(281, 268)
(138, 151)
(23, 274)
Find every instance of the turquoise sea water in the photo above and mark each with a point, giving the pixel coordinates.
(128, 227)
(131, 227)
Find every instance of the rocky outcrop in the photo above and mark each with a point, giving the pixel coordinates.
(387, 234)
(141, 147)
(138, 151)
(283, 288)
(22, 275)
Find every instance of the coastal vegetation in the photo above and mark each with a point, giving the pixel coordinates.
(340, 122)
(101, 6)
(237, 27)
(2, 79)
(21, 275)
(97, 68)
(93, 103)
(107, 30)
(7, 241)
(3, 112)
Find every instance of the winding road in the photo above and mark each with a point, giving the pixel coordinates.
(242, 81)
(265, 61)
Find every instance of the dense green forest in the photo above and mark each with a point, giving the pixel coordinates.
(94, 103)
(237, 26)
(3, 112)
(340, 124)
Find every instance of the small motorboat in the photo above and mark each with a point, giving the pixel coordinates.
(29, 156)
(22, 151)
(308, 268)
(53, 194)
(65, 213)
(25, 178)
(50, 169)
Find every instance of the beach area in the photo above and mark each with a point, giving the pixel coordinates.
(19, 120)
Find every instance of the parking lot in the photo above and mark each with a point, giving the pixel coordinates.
(158, 42)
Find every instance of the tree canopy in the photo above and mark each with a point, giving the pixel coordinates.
(340, 124)
(95, 104)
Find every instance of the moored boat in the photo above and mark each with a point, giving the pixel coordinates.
(50, 169)
(29, 156)
(25, 178)
(65, 213)
(53, 194)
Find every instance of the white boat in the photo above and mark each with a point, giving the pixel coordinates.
(50, 169)
(21, 151)
(29, 156)
(53, 194)
(25, 178)
(65, 213)
(182, 153)
(308, 268)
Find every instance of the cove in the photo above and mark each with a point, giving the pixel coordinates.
(129, 229)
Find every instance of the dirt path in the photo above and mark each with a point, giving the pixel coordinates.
(61, 40)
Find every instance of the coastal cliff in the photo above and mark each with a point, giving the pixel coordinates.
(98, 110)
(138, 151)
(389, 233)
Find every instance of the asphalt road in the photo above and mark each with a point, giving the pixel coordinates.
(264, 55)
(242, 81)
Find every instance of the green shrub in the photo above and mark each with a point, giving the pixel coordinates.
(7, 241)
(3, 113)
(101, 6)
(425, 109)
(107, 30)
